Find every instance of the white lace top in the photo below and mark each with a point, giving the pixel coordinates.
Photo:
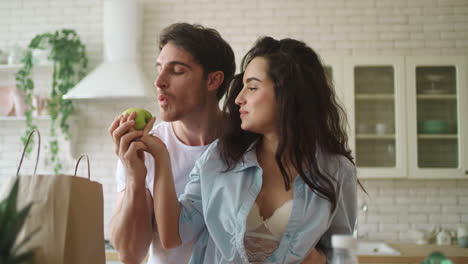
(263, 236)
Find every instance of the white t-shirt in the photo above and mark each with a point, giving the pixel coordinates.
(183, 159)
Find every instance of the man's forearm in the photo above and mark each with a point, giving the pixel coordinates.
(131, 226)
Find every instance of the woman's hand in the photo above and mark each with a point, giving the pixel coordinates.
(315, 257)
(154, 144)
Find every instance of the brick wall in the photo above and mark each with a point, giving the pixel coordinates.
(335, 27)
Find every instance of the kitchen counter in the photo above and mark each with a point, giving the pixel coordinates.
(413, 253)
(410, 254)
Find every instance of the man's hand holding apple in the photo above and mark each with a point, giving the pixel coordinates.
(127, 148)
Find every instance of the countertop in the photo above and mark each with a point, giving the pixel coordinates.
(410, 253)
(413, 253)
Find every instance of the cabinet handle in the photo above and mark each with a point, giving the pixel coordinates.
(466, 172)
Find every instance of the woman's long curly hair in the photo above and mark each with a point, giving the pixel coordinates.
(309, 116)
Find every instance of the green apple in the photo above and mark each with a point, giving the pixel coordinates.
(141, 119)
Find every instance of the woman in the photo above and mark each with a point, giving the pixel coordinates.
(279, 180)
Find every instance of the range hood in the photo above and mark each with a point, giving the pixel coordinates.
(120, 75)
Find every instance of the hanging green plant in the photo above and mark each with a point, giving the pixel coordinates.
(68, 55)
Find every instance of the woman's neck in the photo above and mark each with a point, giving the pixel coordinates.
(268, 145)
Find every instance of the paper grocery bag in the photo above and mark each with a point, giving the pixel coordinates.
(68, 210)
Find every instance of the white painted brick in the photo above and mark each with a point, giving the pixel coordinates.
(410, 200)
(389, 208)
(441, 200)
(438, 27)
(409, 44)
(425, 226)
(421, 3)
(318, 12)
(330, 4)
(367, 228)
(418, 218)
(454, 208)
(394, 35)
(24, 12)
(444, 218)
(461, 10)
(463, 199)
(407, 28)
(384, 201)
(325, 20)
(318, 29)
(455, 3)
(393, 20)
(59, 3)
(376, 28)
(403, 218)
(424, 209)
(35, 4)
(290, 12)
(331, 37)
(452, 18)
(391, 3)
(362, 19)
(461, 27)
(386, 236)
(373, 219)
(345, 28)
(387, 218)
(411, 11)
(393, 227)
(360, 3)
(464, 218)
(426, 36)
(10, 4)
(461, 43)
(368, 36)
(439, 10)
(426, 51)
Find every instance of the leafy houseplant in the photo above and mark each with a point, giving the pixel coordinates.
(11, 223)
(68, 55)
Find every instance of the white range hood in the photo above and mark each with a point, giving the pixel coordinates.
(120, 75)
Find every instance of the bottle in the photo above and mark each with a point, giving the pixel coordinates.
(443, 238)
(344, 249)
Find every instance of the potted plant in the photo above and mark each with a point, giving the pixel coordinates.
(68, 56)
(11, 223)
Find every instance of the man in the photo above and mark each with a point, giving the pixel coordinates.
(195, 67)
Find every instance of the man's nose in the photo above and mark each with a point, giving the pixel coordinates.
(161, 81)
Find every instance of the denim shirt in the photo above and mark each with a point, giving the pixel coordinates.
(216, 204)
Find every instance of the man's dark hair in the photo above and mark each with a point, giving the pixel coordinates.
(206, 46)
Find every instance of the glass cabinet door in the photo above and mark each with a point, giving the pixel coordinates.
(376, 116)
(436, 117)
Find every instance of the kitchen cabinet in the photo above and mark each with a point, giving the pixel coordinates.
(437, 117)
(376, 108)
(407, 115)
